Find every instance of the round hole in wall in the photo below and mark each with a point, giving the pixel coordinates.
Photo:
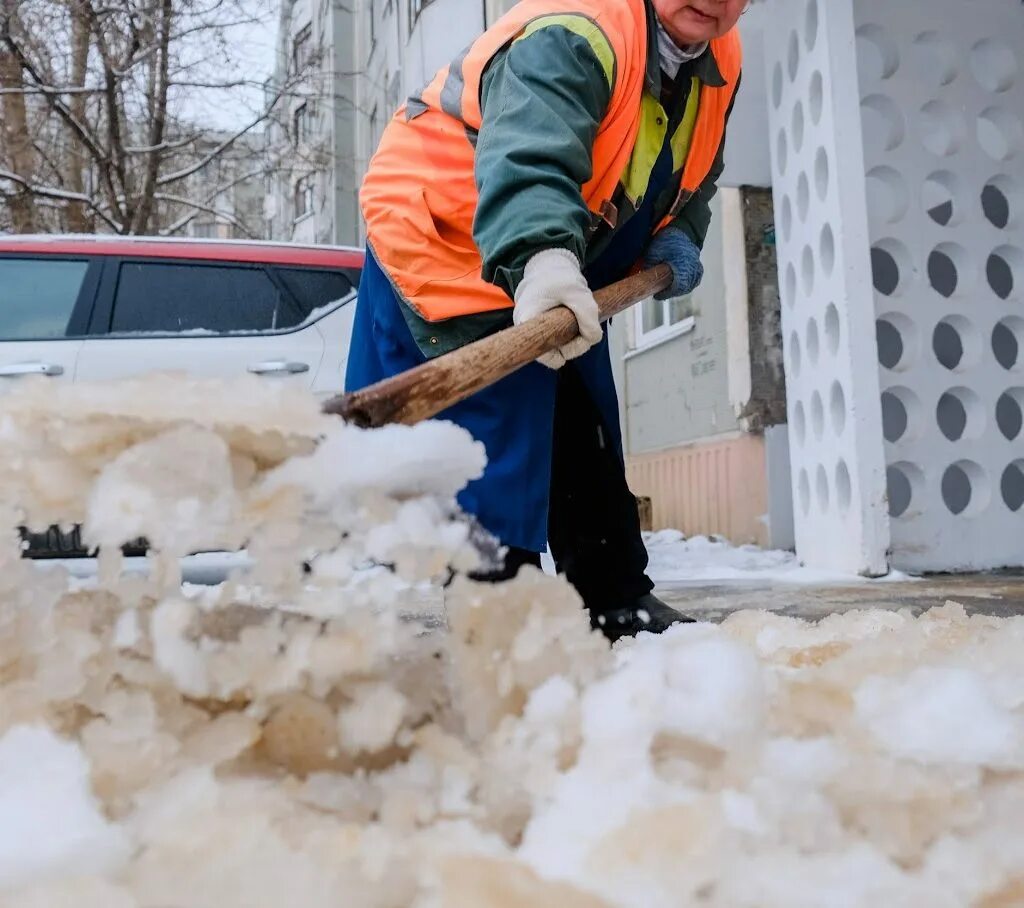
(890, 266)
(887, 195)
(794, 354)
(1011, 485)
(787, 217)
(1007, 339)
(894, 417)
(821, 487)
(843, 486)
(938, 57)
(803, 197)
(777, 86)
(816, 97)
(790, 284)
(817, 416)
(956, 343)
(793, 57)
(782, 152)
(904, 482)
(890, 343)
(821, 173)
(1010, 413)
(811, 24)
(993, 65)
(884, 126)
(827, 250)
(812, 341)
(897, 338)
(837, 408)
(804, 492)
(940, 195)
(1000, 133)
(807, 271)
(1001, 269)
(995, 201)
(797, 126)
(832, 329)
(942, 128)
(965, 488)
(947, 264)
(960, 414)
(878, 55)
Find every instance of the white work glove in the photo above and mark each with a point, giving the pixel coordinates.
(553, 278)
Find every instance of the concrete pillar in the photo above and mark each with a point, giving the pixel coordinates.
(832, 382)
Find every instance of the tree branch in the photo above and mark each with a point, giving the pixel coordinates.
(64, 195)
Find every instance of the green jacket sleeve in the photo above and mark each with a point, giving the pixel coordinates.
(542, 100)
(695, 218)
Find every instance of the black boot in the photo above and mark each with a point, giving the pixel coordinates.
(648, 613)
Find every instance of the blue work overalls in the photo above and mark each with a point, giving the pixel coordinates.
(554, 446)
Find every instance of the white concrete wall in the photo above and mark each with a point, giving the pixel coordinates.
(828, 325)
(941, 92)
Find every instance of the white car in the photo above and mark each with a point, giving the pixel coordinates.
(79, 308)
(82, 308)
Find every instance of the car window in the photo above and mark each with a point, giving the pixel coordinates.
(167, 298)
(37, 296)
(315, 289)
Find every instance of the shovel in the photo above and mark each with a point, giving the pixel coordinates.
(440, 383)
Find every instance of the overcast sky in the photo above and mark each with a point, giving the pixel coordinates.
(247, 53)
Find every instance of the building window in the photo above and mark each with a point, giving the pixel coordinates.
(657, 320)
(303, 196)
(394, 92)
(204, 229)
(302, 47)
(415, 8)
(374, 129)
(301, 124)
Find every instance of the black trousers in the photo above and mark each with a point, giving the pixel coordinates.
(593, 523)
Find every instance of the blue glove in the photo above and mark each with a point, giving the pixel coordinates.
(673, 247)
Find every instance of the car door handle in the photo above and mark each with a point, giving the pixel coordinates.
(15, 369)
(278, 367)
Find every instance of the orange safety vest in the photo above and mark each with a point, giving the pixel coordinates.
(419, 196)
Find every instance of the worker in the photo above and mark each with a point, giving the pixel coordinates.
(572, 141)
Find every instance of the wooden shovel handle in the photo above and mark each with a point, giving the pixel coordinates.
(439, 383)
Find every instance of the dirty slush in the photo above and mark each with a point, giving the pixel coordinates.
(293, 738)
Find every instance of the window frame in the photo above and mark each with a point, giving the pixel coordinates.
(646, 340)
(302, 42)
(99, 326)
(100, 315)
(301, 119)
(85, 303)
(416, 8)
(373, 30)
(307, 193)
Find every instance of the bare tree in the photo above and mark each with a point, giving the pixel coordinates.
(107, 106)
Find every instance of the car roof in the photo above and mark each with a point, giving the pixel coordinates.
(256, 251)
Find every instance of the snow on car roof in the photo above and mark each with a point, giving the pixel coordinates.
(262, 251)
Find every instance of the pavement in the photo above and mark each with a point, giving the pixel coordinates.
(1000, 593)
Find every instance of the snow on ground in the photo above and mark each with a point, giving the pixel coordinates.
(676, 559)
(284, 739)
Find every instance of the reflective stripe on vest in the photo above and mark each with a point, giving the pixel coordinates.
(419, 196)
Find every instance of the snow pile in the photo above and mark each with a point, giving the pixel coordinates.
(288, 739)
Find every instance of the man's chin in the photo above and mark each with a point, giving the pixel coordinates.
(690, 36)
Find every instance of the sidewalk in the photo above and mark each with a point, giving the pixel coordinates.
(999, 594)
